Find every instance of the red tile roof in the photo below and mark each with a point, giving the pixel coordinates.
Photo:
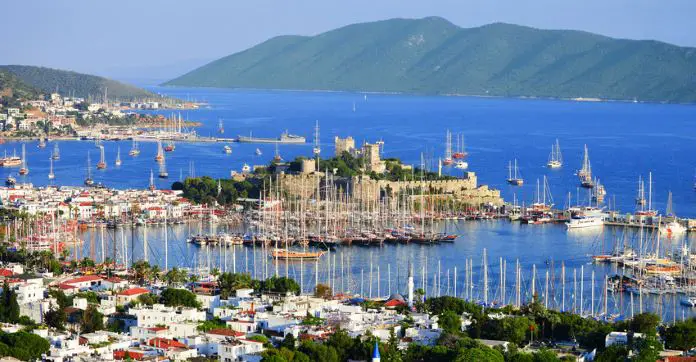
(165, 343)
(84, 278)
(157, 329)
(134, 291)
(225, 332)
(6, 272)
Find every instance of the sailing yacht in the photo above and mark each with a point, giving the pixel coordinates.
(118, 156)
(56, 152)
(160, 153)
(163, 169)
(51, 175)
(152, 181)
(555, 158)
(24, 169)
(89, 181)
(585, 173)
(514, 178)
(448, 149)
(643, 203)
(672, 228)
(134, 151)
(101, 165)
(460, 153)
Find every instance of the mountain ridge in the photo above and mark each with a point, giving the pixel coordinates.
(83, 85)
(433, 56)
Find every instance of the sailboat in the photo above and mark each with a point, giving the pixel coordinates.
(585, 173)
(460, 153)
(118, 156)
(599, 192)
(514, 178)
(160, 154)
(258, 152)
(51, 175)
(640, 197)
(152, 181)
(89, 181)
(24, 169)
(448, 149)
(101, 165)
(221, 128)
(353, 106)
(56, 152)
(163, 169)
(674, 227)
(643, 211)
(555, 158)
(277, 157)
(134, 151)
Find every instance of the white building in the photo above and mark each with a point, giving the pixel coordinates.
(159, 314)
(238, 349)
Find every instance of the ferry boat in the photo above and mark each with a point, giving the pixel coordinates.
(285, 137)
(101, 165)
(24, 170)
(513, 175)
(56, 153)
(586, 217)
(295, 255)
(227, 149)
(134, 149)
(555, 158)
(10, 181)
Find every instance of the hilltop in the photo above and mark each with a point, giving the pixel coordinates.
(11, 87)
(69, 83)
(433, 56)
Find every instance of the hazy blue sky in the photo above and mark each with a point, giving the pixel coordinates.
(160, 38)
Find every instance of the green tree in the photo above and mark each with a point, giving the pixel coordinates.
(179, 298)
(450, 321)
(681, 335)
(645, 323)
(55, 317)
(322, 291)
(289, 341)
(91, 320)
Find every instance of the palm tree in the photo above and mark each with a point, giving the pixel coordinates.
(155, 273)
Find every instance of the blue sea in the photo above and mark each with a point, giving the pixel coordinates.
(625, 141)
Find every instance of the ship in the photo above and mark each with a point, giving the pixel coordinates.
(101, 165)
(134, 150)
(160, 153)
(555, 157)
(514, 177)
(10, 181)
(586, 217)
(56, 153)
(11, 161)
(448, 149)
(285, 137)
(295, 255)
(24, 169)
(460, 152)
(88, 180)
(118, 156)
(585, 173)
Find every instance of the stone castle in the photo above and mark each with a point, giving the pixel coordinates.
(307, 183)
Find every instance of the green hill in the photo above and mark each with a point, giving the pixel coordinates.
(13, 87)
(81, 85)
(433, 56)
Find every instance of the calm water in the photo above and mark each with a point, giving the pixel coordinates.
(625, 140)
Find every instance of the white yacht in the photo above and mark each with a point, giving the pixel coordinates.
(586, 217)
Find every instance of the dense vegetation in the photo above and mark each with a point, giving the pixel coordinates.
(204, 190)
(12, 89)
(23, 345)
(81, 85)
(230, 282)
(434, 56)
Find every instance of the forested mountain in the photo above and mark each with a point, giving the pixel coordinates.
(434, 56)
(81, 85)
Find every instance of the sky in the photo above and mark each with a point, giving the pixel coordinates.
(160, 39)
